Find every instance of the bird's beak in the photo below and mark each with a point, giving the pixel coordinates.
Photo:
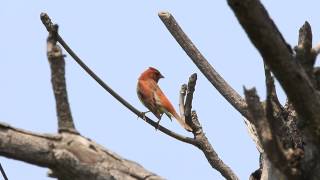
(161, 76)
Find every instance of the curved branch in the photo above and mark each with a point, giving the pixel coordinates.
(69, 156)
(49, 25)
(205, 67)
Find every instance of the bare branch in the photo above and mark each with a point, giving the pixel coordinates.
(304, 49)
(200, 61)
(6, 126)
(3, 173)
(204, 145)
(265, 130)
(202, 141)
(278, 56)
(182, 95)
(271, 90)
(69, 156)
(47, 22)
(14, 142)
(57, 66)
(189, 98)
(305, 37)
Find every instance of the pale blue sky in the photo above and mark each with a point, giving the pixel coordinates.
(118, 40)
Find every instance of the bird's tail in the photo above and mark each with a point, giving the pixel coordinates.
(182, 122)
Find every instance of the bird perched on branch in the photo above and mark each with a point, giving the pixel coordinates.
(154, 99)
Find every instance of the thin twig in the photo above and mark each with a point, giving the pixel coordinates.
(49, 25)
(189, 98)
(181, 100)
(3, 172)
(201, 62)
(202, 141)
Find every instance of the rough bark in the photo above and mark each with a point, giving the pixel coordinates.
(69, 156)
(295, 127)
(57, 66)
(278, 55)
(288, 137)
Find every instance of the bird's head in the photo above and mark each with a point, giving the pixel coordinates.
(151, 73)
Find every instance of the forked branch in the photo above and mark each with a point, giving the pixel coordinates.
(50, 27)
(278, 55)
(199, 140)
(202, 142)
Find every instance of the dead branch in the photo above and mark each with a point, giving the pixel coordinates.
(277, 54)
(68, 155)
(202, 141)
(304, 53)
(200, 61)
(57, 66)
(49, 26)
(269, 141)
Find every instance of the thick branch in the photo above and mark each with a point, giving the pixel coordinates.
(277, 54)
(57, 66)
(69, 156)
(202, 141)
(266, 132)
(200, 61)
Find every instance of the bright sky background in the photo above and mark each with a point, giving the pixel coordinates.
(118, 40)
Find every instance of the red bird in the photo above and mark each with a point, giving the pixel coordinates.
(154, 99)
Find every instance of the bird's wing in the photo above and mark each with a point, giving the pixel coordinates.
(166, 107)
(145, 92)
(163, 102)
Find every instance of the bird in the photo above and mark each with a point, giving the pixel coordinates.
(152, 97)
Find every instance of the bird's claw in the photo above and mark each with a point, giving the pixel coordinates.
(158, 125)
(143, 115)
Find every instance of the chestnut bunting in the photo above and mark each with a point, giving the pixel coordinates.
(154, 99)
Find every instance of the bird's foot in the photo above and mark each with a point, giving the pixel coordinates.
(158, 125)
(143, 115)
